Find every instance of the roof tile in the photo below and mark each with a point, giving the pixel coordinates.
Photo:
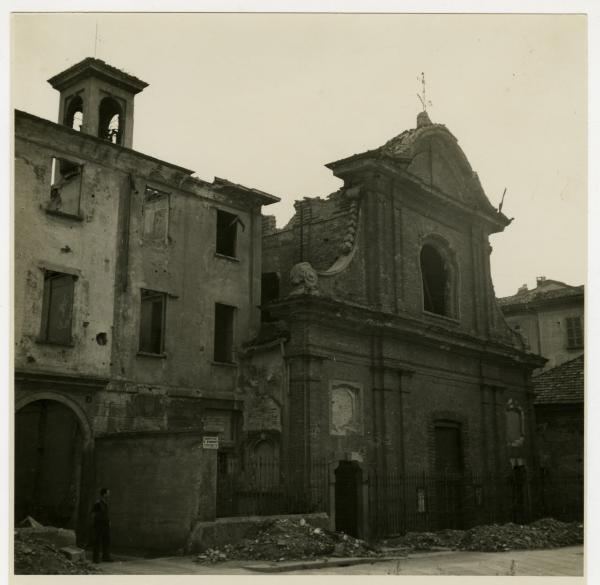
(561, 384)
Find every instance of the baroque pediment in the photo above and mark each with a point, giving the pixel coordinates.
(431, 154)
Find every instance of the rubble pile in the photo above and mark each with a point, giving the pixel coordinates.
(545, 533)
(286, 539)
(34, 556)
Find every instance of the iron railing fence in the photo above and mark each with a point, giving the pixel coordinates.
(264, 486)
(421, 502)
(400, 503)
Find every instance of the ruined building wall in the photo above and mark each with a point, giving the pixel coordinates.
(84, 246)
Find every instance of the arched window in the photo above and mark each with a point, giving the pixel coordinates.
(74, 113)
(437, 280)
(110, 120)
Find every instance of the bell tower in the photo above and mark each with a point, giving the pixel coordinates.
(98, 99)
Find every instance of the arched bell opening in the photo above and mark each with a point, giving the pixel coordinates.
(110, 125)
(74, 113)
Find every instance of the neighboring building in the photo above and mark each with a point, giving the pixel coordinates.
(559, 412)
(384, 354)
(549, 318)
(135, 284)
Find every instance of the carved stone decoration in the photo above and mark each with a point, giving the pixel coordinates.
(515, 424)
(345, 408)
(304, 279)
(353, 195)
(262, 413)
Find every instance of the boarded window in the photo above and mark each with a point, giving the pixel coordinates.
(65, 189)
(574, 333)
(223, 351)
(152, 322)
(435, 282)
(57, 308)
(226, 233)
(156, 216)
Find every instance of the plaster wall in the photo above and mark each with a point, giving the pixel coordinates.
(84, 247)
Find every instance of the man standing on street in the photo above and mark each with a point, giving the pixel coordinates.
(101, 527)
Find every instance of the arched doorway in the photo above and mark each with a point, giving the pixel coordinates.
(49, 447)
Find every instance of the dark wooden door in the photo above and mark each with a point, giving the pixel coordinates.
(448, 476)
(347, 478)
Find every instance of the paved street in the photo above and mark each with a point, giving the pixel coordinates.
(566, 561)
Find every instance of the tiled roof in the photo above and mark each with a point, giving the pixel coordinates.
(100, 67)
(560, 385)
(538, 294)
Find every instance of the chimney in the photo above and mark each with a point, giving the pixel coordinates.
(269, 225)
(540, 280)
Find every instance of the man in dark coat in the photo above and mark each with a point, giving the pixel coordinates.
(101, 527)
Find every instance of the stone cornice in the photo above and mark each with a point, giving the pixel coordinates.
(48, 379)
(352, 318)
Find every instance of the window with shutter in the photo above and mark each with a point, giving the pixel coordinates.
(57, 308)
(574, 333)
(152, 322)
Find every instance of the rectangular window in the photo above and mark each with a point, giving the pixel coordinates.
(574, 333)
(152, 322)
(65, 187)
(223, 351)
(57, 308)
(226, 233)
(156, 216)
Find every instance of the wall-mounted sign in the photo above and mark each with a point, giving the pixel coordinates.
(210, 442)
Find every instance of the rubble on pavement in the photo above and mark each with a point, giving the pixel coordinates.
(284, 540)
(35, 556)
(287, 540)
(545, 533)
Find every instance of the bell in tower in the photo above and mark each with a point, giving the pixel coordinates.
(98, 99)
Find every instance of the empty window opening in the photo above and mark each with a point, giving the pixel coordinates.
(74, 113)
(156, 216)
(110, 121)
(65, 186)
(152, 322)
(57, 308)
(435, 281)
(574, 333)
(269, 287)
(223, 351)
(226, 233)
(269, 291)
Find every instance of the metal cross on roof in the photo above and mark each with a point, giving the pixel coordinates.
(423, 97)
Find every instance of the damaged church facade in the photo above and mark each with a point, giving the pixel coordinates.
(173, 344)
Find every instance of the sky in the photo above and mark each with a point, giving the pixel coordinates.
(267, 100)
